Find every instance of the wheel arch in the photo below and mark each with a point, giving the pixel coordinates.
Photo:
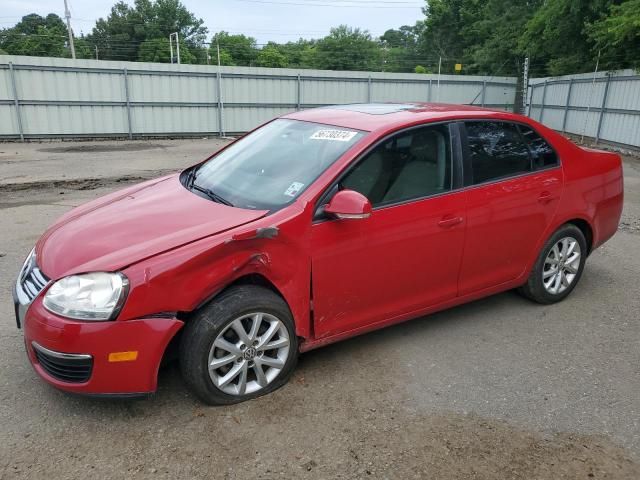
(586, 229)
(170, 352)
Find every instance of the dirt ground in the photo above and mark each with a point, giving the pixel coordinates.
(499, 388)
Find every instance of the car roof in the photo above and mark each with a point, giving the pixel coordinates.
(375, 116)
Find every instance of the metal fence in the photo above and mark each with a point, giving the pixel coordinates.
(55, 97)
(604, 106)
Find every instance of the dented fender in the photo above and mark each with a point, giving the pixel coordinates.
(184, 279)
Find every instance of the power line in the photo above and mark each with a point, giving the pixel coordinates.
(324, 4)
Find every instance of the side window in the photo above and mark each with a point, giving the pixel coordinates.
(543, 154)
(409, 165)
(497, 150)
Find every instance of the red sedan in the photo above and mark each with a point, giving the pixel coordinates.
(317, 226)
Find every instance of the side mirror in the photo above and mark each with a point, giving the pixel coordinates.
(348, 204)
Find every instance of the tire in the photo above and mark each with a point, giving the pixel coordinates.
(207, 366)
(546, 287)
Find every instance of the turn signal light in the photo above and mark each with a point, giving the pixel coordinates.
(123, 356)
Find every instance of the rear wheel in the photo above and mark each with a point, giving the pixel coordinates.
(558, 267)
(242, 345)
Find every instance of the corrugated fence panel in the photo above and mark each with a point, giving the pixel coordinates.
(172, 88)
(399, 91)
(158, 120)
(9, 122)
(63, 120)
(243, 119)
(62, 97)
(262, 90)
(323, 92)
(605, 106)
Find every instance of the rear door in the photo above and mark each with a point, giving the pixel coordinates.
(514, 184)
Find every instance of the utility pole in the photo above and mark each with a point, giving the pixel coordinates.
(220, 102)
(439, 68)
(68, 17)
(96, 52)
(525, 84)
(171, 35)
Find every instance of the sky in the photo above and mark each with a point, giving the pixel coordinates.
(265, 20)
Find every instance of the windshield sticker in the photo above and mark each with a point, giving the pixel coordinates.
(335, 135)
(293, 189)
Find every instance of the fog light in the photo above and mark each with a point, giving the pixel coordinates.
(123, 356)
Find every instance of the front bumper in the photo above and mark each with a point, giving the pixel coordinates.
(147, 336)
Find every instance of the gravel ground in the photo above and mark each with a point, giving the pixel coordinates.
(499, 388)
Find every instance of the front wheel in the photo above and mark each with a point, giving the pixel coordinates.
(558, 267)
(240, 346)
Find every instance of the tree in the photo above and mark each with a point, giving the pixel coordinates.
(617, 35)
(158, 50)
(399, 48)
(235, 49)
(271, 56)
(347, 48)
(37, 36)
(493, 37)
(121, 35)
(446, 31)
(556, 36)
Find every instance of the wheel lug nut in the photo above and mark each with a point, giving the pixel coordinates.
(243, 346)
(239, 360)
(255, 343)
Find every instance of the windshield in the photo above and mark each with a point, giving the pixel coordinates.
(271, 166)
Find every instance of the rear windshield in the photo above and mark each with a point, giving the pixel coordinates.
(271, 166)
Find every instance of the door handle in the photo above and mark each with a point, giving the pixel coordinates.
(450, 221)
(545, 197)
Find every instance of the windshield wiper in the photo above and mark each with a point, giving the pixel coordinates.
(191, 177)
(211, 194)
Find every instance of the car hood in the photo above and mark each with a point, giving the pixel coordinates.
(125, 227)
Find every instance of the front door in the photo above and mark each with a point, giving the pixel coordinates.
(406, 256)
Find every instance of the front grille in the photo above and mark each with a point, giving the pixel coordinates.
(70, 368)
(31, 278)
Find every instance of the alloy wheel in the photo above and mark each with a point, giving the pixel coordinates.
(561, 265)
(249, 353)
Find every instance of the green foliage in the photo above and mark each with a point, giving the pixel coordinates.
(234, 49)
(158, 50)
(37, 36)
(271, 56)
(346, 48)
(121, 35)
(400, 48)
(556, 38)
(489, 37)
(617, 35)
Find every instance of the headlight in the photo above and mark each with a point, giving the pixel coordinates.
(90, 296)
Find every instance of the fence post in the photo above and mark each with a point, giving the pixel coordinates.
(544, 96)
(529, 98)
(566, 106)
(429, 96)
(16, 102)
(484, 91)
(369, 89)
(603, 107)
(299, 93)
(128, 101)
(220, 105)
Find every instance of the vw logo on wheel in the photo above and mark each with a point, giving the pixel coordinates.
(249, 353)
